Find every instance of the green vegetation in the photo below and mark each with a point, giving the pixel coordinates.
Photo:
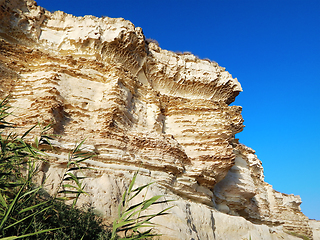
(130, 219)
(27, 214)
(304, 237)
(24, 211)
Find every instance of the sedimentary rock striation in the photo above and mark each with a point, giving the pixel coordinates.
(141, 107)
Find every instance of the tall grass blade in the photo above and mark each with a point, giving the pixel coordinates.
(30, 234)
(28, 131)
(11, 207)
(129, 217)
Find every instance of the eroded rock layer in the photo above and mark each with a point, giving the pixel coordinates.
(140, 107)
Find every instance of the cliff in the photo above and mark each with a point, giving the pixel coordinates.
(141, 107)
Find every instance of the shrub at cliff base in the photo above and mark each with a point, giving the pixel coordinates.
(24, 212)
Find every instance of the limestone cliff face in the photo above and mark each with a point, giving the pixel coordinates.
(141, 107)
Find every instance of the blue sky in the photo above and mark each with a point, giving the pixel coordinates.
(272, 47)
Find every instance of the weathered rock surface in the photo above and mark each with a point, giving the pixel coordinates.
(315, 225)
(141, 107)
